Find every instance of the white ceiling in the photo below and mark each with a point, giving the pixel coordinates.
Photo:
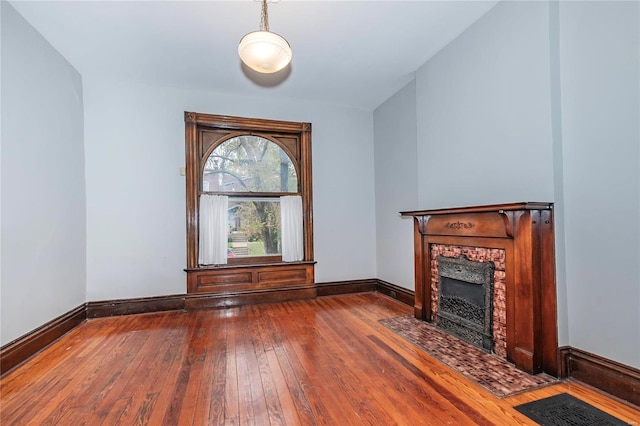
(354, 53)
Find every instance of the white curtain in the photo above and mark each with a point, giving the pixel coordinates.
(213, 229)
(291, 221)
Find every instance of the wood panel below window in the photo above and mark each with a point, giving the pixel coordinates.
(234, 278)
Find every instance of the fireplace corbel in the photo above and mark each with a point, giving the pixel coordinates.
(525, 232)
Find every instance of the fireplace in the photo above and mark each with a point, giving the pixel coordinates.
(518, 238)
(465, 300)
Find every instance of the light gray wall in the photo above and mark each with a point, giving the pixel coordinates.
(484, 130)
(396, 185)
(43, 185)
(600, 73)
(136, 197)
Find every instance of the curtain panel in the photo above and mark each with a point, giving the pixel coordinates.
(213, 229)
(292, 234)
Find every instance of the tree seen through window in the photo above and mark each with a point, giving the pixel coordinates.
(253, 171)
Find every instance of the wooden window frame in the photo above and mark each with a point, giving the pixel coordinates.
(293, 137)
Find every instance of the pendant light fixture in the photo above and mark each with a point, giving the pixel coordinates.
(264, 51)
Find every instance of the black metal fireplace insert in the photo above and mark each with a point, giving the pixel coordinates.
(465, 300)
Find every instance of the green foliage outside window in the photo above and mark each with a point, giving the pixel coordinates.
(252, 164)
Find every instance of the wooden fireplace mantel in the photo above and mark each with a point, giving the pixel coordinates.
(525, 232)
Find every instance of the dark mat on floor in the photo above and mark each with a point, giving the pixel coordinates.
(565, 409)
(488, 370)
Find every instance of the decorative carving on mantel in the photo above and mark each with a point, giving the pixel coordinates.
(507, 217)
(459, 225)
(422, 223)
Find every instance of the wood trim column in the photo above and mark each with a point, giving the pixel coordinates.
(422, 304)
(548, 302)
(510, 274)
(307, 190)
(526, 287)
(192, 185)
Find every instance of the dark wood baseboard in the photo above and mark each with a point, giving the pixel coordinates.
(142, 305)
(612, 377)
(222, 300)
(177, 302)
(226, 300)
(401, 294)
(14, 353)
(346, 287)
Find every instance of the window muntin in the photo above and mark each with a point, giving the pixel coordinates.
(249, 163)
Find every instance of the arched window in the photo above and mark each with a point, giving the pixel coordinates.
(249, 163)
(240, 168)
(248, 203)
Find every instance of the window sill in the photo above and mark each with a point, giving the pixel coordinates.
(249, 265)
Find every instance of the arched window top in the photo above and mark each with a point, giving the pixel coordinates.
(249, 163)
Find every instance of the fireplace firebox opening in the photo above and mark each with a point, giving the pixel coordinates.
(465, 300)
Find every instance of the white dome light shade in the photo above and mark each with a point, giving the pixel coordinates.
(264, 51)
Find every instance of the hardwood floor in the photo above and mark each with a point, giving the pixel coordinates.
(325, 361)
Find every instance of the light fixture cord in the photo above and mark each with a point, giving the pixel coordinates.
(264, 18)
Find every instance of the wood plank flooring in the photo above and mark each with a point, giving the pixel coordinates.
(318, 362)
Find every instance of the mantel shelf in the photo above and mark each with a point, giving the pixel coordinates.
(246, 265)
(527, 205)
